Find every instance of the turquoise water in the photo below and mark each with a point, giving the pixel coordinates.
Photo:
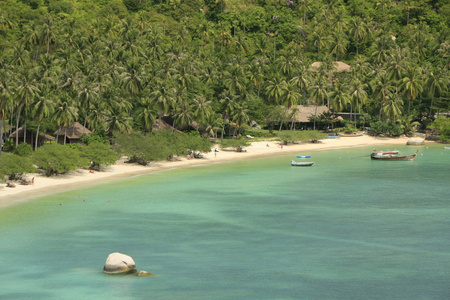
(345, 228)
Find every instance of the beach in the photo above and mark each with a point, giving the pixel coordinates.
(83, 178)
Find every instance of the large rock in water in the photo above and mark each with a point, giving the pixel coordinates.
(118, 263)
(415, 141)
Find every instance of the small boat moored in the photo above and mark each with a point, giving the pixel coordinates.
(301, 164)
(393, 156)
(303, 156)
(385, 152)
(351, 134)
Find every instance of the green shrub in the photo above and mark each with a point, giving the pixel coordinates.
(23, 149)
(58, 159)
(13, 166)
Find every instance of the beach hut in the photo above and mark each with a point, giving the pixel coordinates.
(29, 137)
(71, 134)
(339, 66)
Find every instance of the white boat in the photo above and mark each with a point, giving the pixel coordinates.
(301, 164)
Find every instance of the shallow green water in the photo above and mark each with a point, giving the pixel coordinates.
(345, 228)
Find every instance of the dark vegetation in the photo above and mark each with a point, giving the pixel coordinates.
(211, 67)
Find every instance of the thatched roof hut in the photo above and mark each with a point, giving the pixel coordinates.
(162, 125)
(30, 136)
(340, 66)
(305, 112)
(72, 133)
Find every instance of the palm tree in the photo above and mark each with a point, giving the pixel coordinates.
(48, 33)
(392, 107)
(411, 85)
(202, 110)
(276, 88)
(117, 119)
(133, 77)
(383, 89)
(26, 92)
(163, 97)
(358, 94)
(65, 114)
(32, 37)
(338, 44)
(436, 83)
(6, 24)
(184, 115)
(359, 31)
(240, 116)
(319, 93)
(290, 99)
(87, 94)
(213, 124)
(41, 109)
(146, 114)
(340, 97)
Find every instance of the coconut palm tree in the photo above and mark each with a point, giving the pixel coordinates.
(43, 108)
(202, 109)
(318, 92)
(26, 93)
(5, 25)
(437, 82)
(276, 88)
(240, 116)
(184, 114)
(65, 113)
(146, 114)
(359, 31)
(392, 107)
(340, 97)
(411, 85)
(290, 99)
(162, 97)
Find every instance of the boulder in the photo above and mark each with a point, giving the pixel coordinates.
(415, 141)
(118, 263)
(144, 274)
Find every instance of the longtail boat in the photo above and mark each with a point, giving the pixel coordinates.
(301, 164)
(393, 156)
(385, 152)
(351, 134)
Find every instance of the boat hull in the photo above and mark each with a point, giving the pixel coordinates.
(393, 157)
(351, 134)
(301, 164)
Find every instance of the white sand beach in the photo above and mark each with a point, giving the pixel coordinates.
(83, 178)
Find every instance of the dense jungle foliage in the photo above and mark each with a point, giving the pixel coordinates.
(118, 66)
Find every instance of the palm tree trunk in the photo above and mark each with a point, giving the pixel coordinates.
(2, 122)
(17, 125)
(37, 136)
(25, 132)
(65, 135)
(57, 134)
(315, 116)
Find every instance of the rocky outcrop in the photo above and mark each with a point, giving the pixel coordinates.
(118, 263)
(144, 274)
(415, 142)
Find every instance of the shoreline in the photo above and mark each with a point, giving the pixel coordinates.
(83, 178)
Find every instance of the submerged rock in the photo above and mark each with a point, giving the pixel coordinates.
(415, 141)
(118, 263)
(144, 274)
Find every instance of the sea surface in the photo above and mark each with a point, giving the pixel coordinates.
(345, 228)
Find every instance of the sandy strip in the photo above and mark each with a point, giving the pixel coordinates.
(82, 178)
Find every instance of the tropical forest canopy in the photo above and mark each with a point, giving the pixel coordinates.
(120, 65)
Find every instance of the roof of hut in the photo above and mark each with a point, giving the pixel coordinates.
(73, 131)
(160, 124)
(340, 66)
(20, 133)
(305, 112)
